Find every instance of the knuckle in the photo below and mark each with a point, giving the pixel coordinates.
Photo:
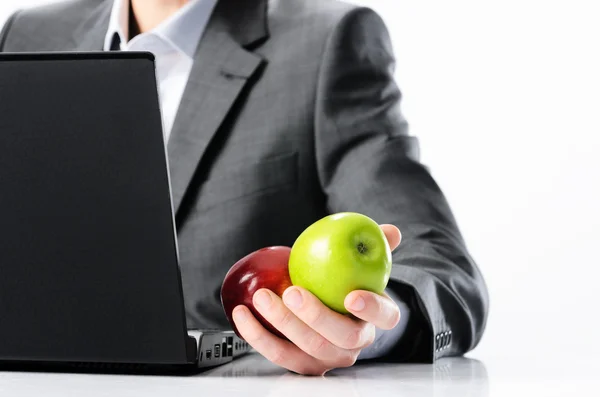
(278, 357)
(353, 339)
(392, 317)
(286, 318)
(314, 317)
(349, 360)
(251, 334)
(395, 318)
(371, 335)
(379, 306)
(251, 337)
(317, 345)
(387, 315)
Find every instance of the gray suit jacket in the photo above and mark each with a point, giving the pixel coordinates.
(291, 113)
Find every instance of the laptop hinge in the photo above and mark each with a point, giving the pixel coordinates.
(191, 349)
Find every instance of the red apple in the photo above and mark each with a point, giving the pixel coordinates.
(265, 268)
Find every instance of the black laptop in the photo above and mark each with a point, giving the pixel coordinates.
(89, 274)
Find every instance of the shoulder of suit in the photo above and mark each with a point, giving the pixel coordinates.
(321, 15)
(30, 28)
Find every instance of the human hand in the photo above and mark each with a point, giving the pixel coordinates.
(320, 339)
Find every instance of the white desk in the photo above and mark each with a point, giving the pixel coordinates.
(253, 376)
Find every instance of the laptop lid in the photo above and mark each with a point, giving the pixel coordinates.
(88, 255)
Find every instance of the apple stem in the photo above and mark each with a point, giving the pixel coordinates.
(362, 248)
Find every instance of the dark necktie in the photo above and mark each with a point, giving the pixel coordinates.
(115, 44)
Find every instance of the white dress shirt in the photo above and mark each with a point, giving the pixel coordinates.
(173, 44)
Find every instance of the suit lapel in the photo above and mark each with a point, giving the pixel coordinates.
(91, 33)
(222, 67)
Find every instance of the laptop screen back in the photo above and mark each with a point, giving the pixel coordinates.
(88, 257)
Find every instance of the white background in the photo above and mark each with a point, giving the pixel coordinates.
(505, 97)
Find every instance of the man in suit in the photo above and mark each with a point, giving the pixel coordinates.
(278, 113)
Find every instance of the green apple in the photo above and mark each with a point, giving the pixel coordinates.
(339, 254)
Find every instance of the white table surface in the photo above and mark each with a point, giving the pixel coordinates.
(253, 376)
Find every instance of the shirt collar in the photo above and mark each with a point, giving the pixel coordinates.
(182, 30)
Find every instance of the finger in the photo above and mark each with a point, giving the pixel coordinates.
(283, 319)
(342, 331)
(393, 235)
(274, 349)
(378, 310)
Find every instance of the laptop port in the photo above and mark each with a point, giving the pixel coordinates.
(208, 354)
(229, 345)
(217, 350)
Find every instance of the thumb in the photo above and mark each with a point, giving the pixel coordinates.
(393, 235)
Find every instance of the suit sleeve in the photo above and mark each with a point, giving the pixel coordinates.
(5, 30)
(368, 163)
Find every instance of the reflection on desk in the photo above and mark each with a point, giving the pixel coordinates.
(252, 375)
(448, 377)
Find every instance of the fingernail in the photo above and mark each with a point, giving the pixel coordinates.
(293, 298)
(240, 315)
(357, 304)
(262, 299)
